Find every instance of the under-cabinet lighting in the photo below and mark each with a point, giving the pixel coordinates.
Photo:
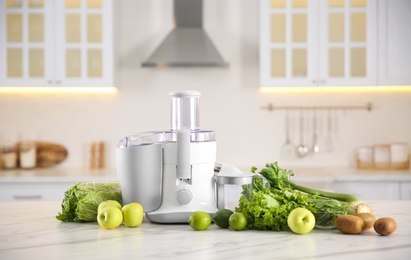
(66, 89)
(334, 89)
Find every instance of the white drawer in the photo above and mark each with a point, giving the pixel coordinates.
(370, 190)
(406, 190)
(47, 191)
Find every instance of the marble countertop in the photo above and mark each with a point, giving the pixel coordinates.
(30, 230)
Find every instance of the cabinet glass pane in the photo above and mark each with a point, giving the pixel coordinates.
(277, 63)
(336, 3)
(73, 63)
(358, 62)
(299, 63)
(278, 28)
(94, 27)
(336, 27)
(14, 3)
(36, 28)
(36, 63)
(14, 27)
(336, 62)
(359, 3)
(299, 27)
(358, 27)
(14, 63)
(73, 3)
(94, 3)
(277, 3)
(95, 63)
(299, 3)
(36, 3)
(73, 28)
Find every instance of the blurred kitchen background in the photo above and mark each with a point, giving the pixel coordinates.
(233, 104)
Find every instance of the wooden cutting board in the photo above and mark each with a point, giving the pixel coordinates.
(49, 154)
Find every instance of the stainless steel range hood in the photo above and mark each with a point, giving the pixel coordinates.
(187, 45)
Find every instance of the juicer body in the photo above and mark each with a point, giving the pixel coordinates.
(171, 174)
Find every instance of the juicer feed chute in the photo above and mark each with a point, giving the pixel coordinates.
(185, 110)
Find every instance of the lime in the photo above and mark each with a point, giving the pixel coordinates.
(221, 218)
(237, 221)
(199, 220)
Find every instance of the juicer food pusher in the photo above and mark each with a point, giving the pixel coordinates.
(171, 173)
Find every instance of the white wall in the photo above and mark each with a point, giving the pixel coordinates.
(230, 103)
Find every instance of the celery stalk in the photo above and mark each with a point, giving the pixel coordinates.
(280, 178)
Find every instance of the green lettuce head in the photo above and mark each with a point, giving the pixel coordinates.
(81, 201)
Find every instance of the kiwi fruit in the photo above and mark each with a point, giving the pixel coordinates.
(385, 226)
(349, 224)
(368, 219)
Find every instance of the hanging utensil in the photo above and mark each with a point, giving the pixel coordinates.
(329, 140)
(316, 146)
(287, 149)
(302, 149)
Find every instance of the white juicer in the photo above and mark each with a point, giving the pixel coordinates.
(170, 173)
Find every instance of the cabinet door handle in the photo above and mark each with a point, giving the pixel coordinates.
(27, 197)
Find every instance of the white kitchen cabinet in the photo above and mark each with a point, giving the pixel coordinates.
(23, 191)
(370, 190)
(394, 37)
(406, 190)
(313, 43)
(56, 43)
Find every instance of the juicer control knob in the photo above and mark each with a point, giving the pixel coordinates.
(184, 197)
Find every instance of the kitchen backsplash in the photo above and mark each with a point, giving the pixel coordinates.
(231, 103)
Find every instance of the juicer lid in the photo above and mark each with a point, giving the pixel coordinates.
(158, 137)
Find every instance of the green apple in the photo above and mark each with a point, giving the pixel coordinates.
(106, 203)
(133, 214)
(301, 220)
(110, 217)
